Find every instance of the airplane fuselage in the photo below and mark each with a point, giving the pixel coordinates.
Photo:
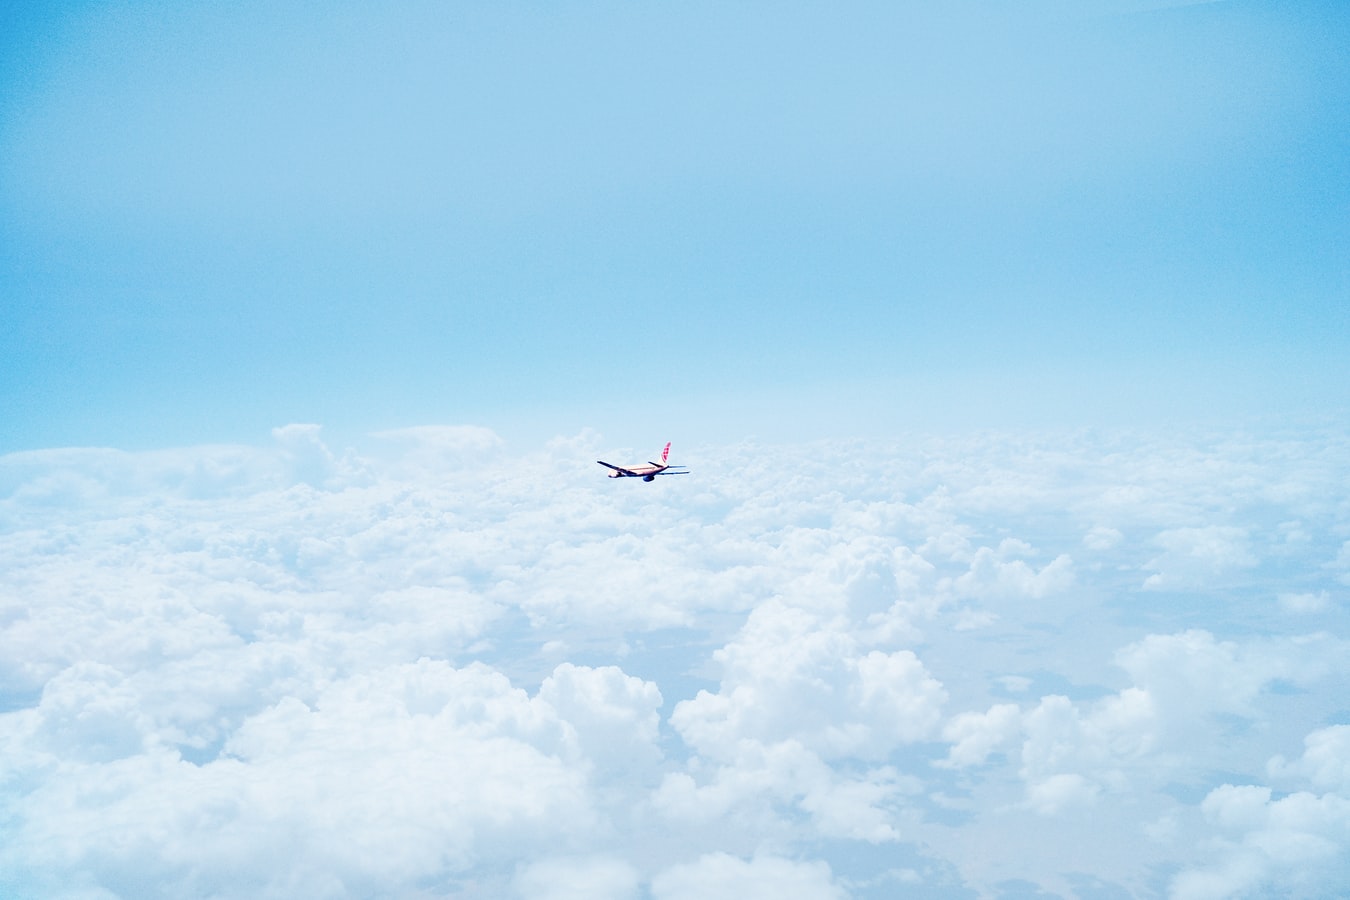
(646, 472)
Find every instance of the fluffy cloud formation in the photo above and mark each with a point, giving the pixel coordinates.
(1192, 557)
(1325, 762)
(587, 878)
(1288, 846)
(433, 667)
(718, 875)
(791, 676)
(386, 778)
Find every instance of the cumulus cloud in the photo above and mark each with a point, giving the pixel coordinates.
(1325, 762)
(613, 716)
(994, 575)
(382, 779)
(435, 665)
(1189, 690)
(586, 878)
(791, 675)
(1192, 673)
(1068, 753)
(718, 875)
(975, 735)
(1289, 846)
(776, 786)
(1199, 557)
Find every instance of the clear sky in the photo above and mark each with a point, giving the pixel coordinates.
(217, 220)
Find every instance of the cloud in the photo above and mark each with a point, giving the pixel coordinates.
(1068, 753)
(1192, 673)
(1101, 537)
(586, 878)
(718, 875)
(975, 735)
(1186, 688)
(791, 675)
(1290, 846)
(386, 778)
(613, 715)
(1325, 762)
(1199, 557)
(993, 576)
(1069, 756)
(1305, 603)
(439, 665)
(775, 786)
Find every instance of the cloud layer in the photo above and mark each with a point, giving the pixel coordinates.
(433, 666)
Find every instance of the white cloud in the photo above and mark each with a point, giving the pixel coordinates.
(1325, 762)
(719, 875)
(1192, 674)
(1070, 755)
(442, 666)
(1059, 792)
(613, 715)
(1199, 557)
(764, 780)
(798, 692)
(792, 675)
(1306, 602)
(975, 735)
(1291, 846)
(587, 878)
(386, 778)
(307, 459)
(993, 576)
(1102, 538)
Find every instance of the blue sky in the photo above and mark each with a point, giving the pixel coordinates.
(217, 221)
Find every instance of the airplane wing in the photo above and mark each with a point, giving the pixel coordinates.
(628, 472)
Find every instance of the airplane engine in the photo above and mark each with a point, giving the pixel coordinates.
(648, 477)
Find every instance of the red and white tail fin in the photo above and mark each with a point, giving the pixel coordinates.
(665, 453)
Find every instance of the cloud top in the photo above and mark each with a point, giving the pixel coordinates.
(438, 665)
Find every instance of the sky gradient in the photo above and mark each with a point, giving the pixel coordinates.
(216, 222)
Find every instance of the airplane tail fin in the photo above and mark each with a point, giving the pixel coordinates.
(665, 453)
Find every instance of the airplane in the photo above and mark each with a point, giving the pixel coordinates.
(647, 472)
